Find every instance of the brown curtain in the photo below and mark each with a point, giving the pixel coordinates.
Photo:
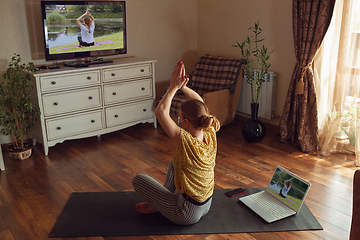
(298, 122)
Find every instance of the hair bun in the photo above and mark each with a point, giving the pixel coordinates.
(196, 112)
(210, 120)
(207, 120)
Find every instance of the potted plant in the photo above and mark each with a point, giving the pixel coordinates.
(255, 67)
(349, 122)
(17, 112)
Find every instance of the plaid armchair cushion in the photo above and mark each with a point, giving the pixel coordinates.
(211, 73)
(214, 73)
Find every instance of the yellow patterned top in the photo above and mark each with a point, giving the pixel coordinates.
(194, 163)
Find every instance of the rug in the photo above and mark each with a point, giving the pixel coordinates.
(91, 214)
(77, 46)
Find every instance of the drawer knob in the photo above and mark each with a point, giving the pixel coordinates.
(90, 97)
(58, 128)
(113, 74)
(56, 103)
(142, 70)
(114, 93)
(89, 78)
(93, 121)
(143, 89)
(53, 82)
(116, 116)
(144, 110)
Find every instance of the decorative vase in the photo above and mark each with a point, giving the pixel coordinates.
(21, 154)
(254, 129)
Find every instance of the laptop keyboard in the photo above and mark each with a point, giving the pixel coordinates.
(275, 209)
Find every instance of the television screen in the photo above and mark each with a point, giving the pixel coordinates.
(81, 29)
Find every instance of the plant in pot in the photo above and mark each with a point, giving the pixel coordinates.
(17, 112)
(350, 122)
(255, 68)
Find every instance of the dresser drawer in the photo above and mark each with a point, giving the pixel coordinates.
(127, 72)
(127, 91)
(71, 101)
(73, 125)
(50, 83)
(128, 113)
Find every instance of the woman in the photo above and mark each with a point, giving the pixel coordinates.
(187, 193)
(87, 30)
(287, 185)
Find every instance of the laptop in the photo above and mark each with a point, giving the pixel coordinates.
(282, 198)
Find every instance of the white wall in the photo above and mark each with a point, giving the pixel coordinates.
(222, 23)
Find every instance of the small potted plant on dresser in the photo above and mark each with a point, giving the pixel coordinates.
(17, 112)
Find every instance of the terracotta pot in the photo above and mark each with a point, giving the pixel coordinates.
(20, 154)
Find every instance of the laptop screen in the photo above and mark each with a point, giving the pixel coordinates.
(288, 188)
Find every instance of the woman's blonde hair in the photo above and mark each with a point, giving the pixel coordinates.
(87, 22)
(196, 112)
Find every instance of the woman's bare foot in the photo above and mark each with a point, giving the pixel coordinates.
(145, 208)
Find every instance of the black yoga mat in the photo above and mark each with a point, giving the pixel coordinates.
(92, 214)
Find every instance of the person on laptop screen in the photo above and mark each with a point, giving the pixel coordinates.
(282, 198)
(287, 185)
(187, 193)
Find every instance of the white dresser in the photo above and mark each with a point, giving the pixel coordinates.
(90, 101)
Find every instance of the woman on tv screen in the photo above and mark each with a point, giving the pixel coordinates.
(66, 34)
(87, 30)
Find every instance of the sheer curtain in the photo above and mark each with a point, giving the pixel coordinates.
(337, 82)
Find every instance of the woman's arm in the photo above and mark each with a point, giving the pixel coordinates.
(162, 111)
(92, 18)
(79, 18)
(191, 94)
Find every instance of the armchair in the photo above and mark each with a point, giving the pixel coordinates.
(218, 80)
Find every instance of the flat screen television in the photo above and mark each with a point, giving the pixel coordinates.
(63, 36)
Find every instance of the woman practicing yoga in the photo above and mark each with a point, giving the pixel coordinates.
(287, 185)
(187, 192)
(87, 30)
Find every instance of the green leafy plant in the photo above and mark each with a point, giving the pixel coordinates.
(17, 112)
(256, 65)
(350, 121)
(55, 18)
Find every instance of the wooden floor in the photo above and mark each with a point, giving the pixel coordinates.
(34, 191)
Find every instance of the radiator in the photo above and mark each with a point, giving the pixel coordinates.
(267, 97)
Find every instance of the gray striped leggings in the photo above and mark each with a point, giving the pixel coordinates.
(169, 201)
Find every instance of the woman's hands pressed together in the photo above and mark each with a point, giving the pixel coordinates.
(179, 77)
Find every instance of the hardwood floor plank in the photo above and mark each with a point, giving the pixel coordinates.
(6, 235)
(10, 227)
(121, 181)
(331, 232)
(267, 236)
(28, 221)
(298, 235)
